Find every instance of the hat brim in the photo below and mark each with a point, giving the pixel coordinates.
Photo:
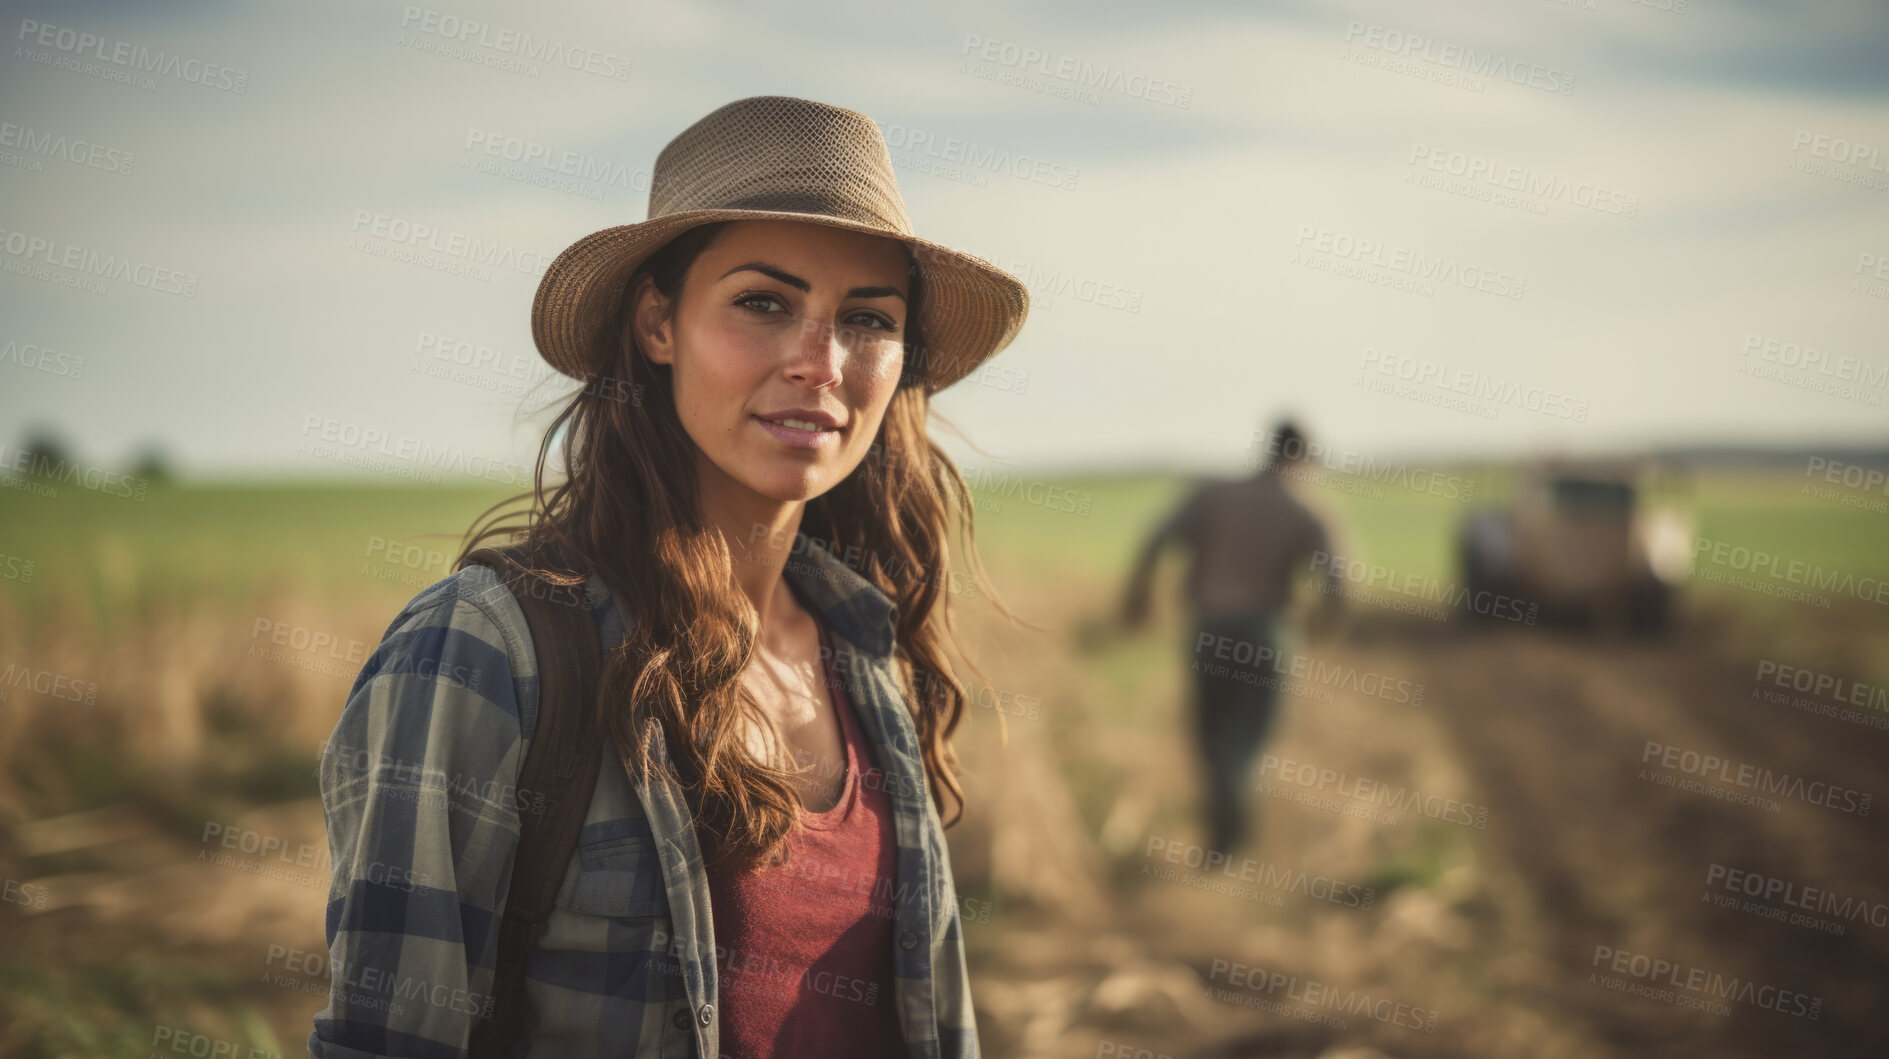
(970, 310)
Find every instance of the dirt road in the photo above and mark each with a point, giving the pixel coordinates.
(1563, 848)
(1576, 743)
(1660, 863)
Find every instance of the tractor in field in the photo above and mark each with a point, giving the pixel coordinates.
(1579, 542)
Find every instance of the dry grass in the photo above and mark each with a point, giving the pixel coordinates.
(103, 805)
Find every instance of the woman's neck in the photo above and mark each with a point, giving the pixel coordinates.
(760, 534)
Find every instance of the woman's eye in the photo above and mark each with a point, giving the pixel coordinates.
(748, 300)
(874, 320)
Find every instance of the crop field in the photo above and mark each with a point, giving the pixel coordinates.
(170, 668)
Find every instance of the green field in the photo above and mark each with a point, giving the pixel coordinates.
(315, 539)
(154, 600)
(102, 561)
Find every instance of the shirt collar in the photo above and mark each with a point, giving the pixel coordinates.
(848, 602)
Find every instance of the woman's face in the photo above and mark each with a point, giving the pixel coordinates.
(785, 349)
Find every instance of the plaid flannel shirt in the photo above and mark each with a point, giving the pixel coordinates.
(418, 784)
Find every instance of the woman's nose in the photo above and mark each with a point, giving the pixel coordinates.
(819, 352)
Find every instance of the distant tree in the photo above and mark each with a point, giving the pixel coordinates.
(153, 464)
(44, 454)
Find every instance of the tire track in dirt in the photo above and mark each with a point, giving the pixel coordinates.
(1553, 731)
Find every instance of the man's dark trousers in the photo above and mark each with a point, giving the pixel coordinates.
(1236, 681)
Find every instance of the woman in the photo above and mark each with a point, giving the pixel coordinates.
(761, 522)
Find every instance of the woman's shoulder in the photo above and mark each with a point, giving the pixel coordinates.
(468, 628)
(448, 692)
(479, 591)
(465, 632)
(472, 600)
(475, 584)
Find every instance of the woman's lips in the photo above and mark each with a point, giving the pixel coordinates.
(803, 439)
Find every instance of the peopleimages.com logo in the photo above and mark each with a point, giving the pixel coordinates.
(1401, 267)
(1758, 778)
(125, 59)
(520, 48)
(1458, 57)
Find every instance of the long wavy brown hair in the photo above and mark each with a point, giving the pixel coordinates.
(627, 509)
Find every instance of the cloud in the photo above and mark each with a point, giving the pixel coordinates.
(1720, 124)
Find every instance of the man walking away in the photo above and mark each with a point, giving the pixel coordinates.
(1245, 536)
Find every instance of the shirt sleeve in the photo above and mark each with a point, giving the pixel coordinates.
(418, 788)
(951, 985)
(1317, 538)
(1184, 524)
(950, 974)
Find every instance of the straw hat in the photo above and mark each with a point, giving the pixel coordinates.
(778, 158)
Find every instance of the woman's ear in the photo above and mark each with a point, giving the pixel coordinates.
(651, 321)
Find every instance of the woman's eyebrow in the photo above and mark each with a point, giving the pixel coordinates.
(800, 284)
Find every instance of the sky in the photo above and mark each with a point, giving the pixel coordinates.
(1485, 228)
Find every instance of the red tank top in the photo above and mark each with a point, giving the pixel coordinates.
(804, 950)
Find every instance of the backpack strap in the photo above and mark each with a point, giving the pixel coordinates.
(557, 780)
